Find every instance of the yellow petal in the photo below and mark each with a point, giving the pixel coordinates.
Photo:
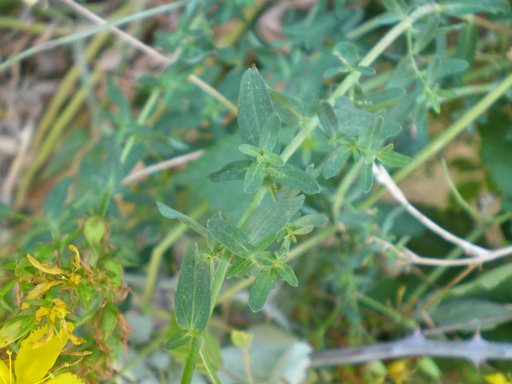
(45, 267)
(39, 290)
(76, 260)
(65, 378)
(497, 378)
(5, 377)
(35, 360)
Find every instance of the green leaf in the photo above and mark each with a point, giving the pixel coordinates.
(250, 150)
(286, 273)
(179, 339)
(446, 67)
(193, 292)
(346, 52)
(335, 161)
(255, 106)
(260, 289)
(287, 107)
(170, 213)
(241, 339)
(119, 98)
(368, 71)
(272, 218)
(471, 314)
(496, 149)
(485, 281)
(463, 7)
(467, 43)
(295, 178)
(271, 158)
(240, 267)
(378, 100)
(232, 171)
(94, 230)
(269, 138)
(15, 329)
(366, 178)
(57, 197)
(392, 159)
(229, 235)
(327, 118)
(426, 32)
(315, 219)
(254, 177)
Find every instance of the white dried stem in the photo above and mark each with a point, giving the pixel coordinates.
(171, 163)
(476, 350)
(151, 52)
(479, 255)
(17, 163)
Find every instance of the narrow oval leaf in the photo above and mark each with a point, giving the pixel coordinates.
(366, 178)
(241, 267)
(57, 197)
(250, 150)
(229, 235)
(254, 106)
(335, 161)
(170, 213)
(15, 329)
(272, 159)
(315, 219)
(179, 339)
(293, 177)
(286, 273)
(287, 107)
(272, 218)
(258, 293)
(346, 52)
(368, 71)
(45, 267)
(394, 159)
(193, 292)
(327, 118)
(232, 171)
(254, 177)
(269, 138)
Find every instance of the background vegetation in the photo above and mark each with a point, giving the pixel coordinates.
(264, 130)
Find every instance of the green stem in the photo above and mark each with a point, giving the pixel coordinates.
(345, 184)
(190, 364)
(299, 138)
(143, 116)
(383, 44)
(446, 137)
(220, 276)
(253, 204)
(209, 368)
(386, 311)
(312, 242)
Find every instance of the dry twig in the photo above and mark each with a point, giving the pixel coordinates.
(171, 163)
(151, 52)
(479, 255)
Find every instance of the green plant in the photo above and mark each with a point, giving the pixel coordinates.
(286, 187)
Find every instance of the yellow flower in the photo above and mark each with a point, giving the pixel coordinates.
(497, 378)
(35, 359)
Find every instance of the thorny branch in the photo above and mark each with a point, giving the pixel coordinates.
(476, 350)
(479, 255)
